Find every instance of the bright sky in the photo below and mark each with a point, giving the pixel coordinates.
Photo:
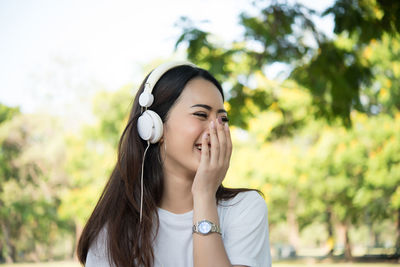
(55, 53)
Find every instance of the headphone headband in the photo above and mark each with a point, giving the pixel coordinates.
(146, 98)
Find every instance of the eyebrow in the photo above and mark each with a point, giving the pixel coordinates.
(209, 108)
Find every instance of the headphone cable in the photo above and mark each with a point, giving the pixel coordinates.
(141, 181)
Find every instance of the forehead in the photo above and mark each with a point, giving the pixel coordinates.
(201, 91)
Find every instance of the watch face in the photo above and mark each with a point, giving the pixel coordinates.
(204, 227)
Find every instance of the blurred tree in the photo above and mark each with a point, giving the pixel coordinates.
(31, 160)
(379, 195)
(334, 70)
(6, 113)
(342, 177)
(281, 177)
(6, 170)
(95, 145)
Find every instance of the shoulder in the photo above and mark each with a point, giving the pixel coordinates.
(251, 197)
(245, 206)
(244, 200)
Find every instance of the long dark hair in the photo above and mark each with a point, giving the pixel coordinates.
(129, 243)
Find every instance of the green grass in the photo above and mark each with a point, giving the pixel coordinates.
(334, 264)
(312, 262)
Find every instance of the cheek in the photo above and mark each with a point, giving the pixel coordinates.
(190, 135)
(195, 128)
(186, 131)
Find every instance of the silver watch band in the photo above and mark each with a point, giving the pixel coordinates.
(212, 228)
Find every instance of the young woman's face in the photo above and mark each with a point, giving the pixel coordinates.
(189, 118)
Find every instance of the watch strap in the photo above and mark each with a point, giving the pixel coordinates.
(214, 228)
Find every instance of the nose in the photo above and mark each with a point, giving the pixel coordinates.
(207, 125)
(212, 117)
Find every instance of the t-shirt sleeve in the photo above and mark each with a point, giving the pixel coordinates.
(246, 236)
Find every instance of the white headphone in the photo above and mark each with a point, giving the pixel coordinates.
(150, 126)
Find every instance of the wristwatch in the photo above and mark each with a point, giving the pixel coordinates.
(206, 227)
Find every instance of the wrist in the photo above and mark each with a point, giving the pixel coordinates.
(204, 197)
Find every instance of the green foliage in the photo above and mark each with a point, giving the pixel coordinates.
(91, 155)
(384, 93)
(32, 153)
(279, 30)
(6, 113)
(50, 179)
(368, 19)
(353, 173)
(336, 75)
(112, 110)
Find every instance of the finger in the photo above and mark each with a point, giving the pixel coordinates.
(228, 141)
(205, 152)
(214, 143)
(222, 141)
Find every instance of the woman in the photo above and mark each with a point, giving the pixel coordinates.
(164, 204)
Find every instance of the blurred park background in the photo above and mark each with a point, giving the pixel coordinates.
(313, 95)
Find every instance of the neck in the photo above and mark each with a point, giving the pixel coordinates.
(177, 193)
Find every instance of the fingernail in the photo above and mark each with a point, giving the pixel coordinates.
(220, 120)
(226, 126)
(212, 124)
(205, 135)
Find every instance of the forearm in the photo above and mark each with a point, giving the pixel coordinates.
(208, 250)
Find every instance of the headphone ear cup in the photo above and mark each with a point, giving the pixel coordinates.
(146, 99)
(157, 127)
(150, 126)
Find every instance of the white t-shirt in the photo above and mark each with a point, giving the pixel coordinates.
(244, 226)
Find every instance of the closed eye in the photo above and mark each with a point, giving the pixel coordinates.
(201, 115)
(224, 119)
